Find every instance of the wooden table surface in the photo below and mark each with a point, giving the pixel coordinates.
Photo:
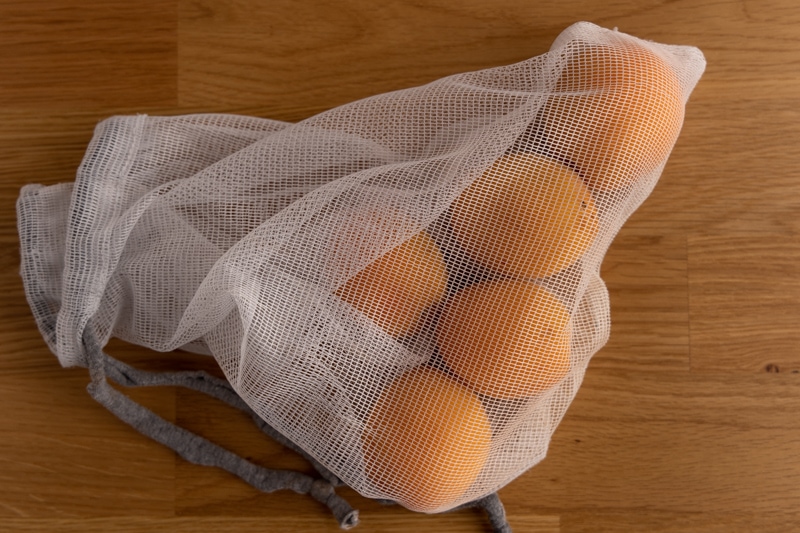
(687, 420)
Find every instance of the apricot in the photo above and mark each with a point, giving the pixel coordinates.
(426, 440)
(616, 113)
(507, 339)
(395, 289)
(527, 216)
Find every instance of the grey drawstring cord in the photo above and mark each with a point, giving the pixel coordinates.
(491, 504)
(199, 450)
(495, 511)
(195, 448)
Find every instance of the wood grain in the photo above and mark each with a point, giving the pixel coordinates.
(745, 300)
(59, 53)
(687, 420)
(647, 281)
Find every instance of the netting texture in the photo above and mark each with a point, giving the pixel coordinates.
(407, 287)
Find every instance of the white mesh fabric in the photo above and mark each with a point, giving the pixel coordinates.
(407, 286)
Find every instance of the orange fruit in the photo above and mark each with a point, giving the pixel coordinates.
(527, 216)
(395, 289)
(507, 339)
(426, 440)
(616, 113)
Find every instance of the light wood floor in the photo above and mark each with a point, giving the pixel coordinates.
(687, 420)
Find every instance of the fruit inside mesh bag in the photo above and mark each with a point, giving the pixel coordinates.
(404, 289)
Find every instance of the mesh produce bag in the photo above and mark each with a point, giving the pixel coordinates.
(405, 289)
